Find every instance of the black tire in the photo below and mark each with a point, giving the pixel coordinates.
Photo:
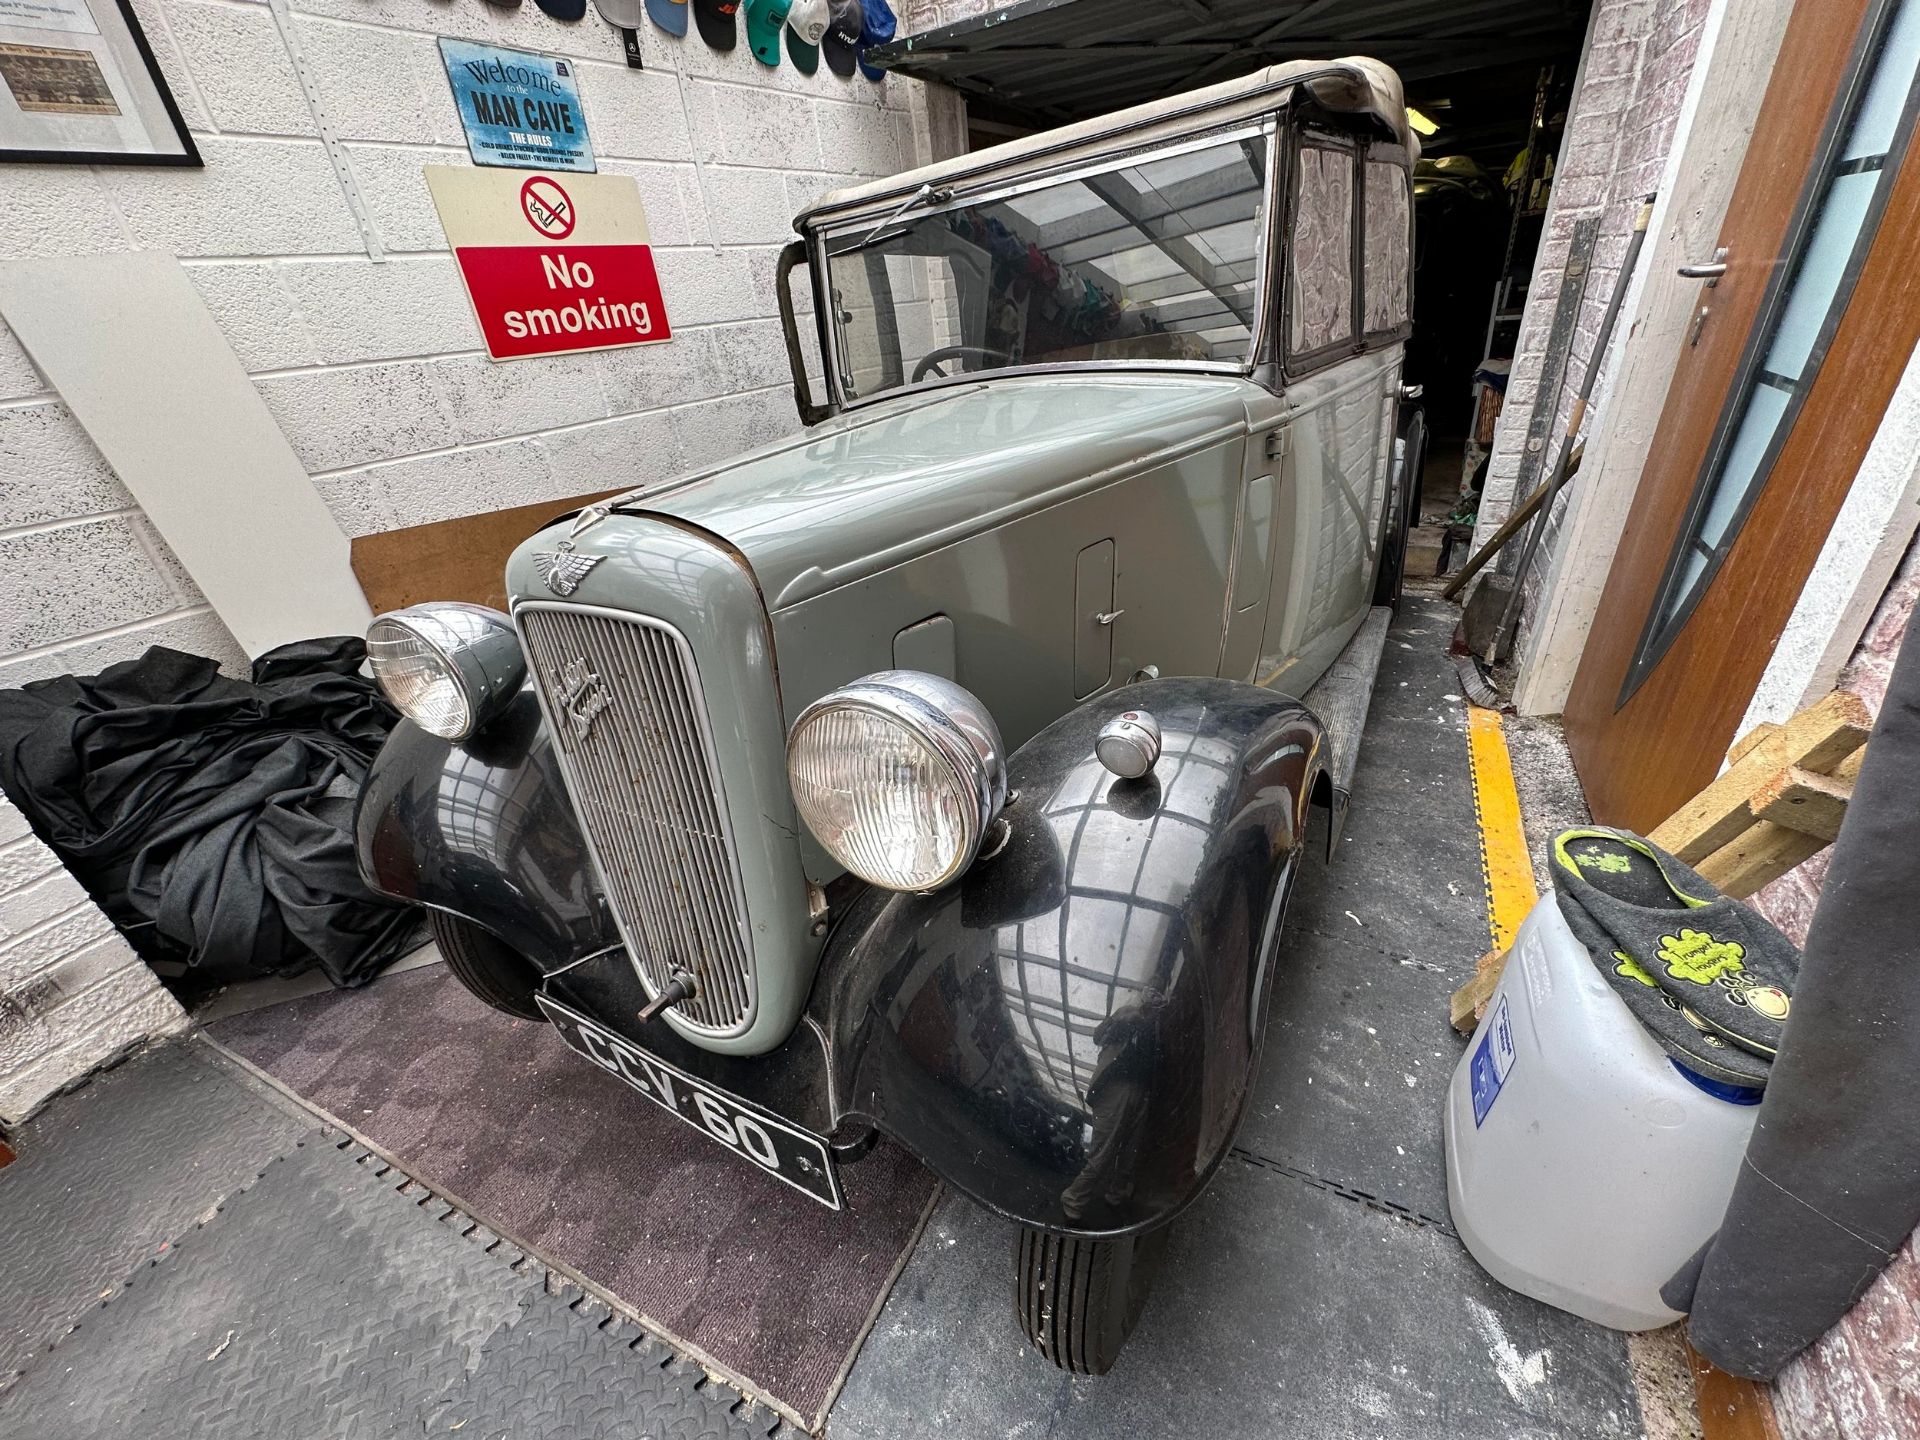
(502, 977)
(1403, 510)
(1078, 1299)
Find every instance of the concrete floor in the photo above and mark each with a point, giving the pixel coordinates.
(1317, 1289)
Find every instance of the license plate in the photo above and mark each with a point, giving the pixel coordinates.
(782, 1150)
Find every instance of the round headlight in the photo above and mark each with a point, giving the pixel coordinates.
(898, 775)
(448, 666)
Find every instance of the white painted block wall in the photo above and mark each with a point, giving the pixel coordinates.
(72, 993)
(375, 371)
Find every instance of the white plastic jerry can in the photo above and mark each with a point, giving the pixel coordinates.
(1584, 1166)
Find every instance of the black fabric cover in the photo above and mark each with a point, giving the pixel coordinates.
(1831, 1184)
(212, 819)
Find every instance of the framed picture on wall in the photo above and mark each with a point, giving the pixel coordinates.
(78, 85)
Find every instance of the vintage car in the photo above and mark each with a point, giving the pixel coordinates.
(936, 772)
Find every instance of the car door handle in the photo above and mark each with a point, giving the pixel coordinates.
(1107, 617)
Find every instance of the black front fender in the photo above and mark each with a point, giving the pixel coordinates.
(1069, 1034)
(483, 830)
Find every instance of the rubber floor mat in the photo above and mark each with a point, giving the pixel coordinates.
(544, 1148)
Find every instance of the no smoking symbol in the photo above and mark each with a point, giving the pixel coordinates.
(548, 208)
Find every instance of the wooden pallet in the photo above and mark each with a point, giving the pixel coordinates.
(1779, 802)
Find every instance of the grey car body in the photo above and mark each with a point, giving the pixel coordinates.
(1053, 531)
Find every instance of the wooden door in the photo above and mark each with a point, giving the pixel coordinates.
(1769, 414)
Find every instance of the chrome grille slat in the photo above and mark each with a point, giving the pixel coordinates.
(675, 786)
(651, 801)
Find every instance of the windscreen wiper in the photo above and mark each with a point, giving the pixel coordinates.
(925, 195)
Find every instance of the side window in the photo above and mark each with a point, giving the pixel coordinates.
(1387, 240)
(1320, 265)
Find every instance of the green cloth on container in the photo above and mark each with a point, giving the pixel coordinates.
(1707, 975)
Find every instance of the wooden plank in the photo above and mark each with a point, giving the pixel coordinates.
(463, 559)
(1816, 739)
(1469, 1003)
(1752, 738)
(1762, 854)
(1801, 800)
(1730, 1407)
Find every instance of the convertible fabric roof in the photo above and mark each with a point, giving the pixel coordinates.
(1048, 62)
(1355, 86)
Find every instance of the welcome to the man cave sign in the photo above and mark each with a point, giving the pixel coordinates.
(520, 109)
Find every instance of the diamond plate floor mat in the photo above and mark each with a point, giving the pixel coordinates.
(767, 1286)
(334, 1297)
(109, 1174)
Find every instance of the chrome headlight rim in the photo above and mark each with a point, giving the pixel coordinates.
(953, 724)
(476, 647)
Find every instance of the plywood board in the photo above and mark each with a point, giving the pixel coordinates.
(463, 559)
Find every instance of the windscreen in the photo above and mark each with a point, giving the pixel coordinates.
(1153, 261)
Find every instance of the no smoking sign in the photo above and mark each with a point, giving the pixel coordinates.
(551, 266)
(548, 208)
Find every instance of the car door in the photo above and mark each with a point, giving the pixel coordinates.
(1329, 458)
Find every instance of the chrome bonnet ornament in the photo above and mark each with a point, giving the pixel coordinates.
(561, 568)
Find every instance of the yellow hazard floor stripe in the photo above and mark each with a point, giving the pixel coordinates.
(1505, 868)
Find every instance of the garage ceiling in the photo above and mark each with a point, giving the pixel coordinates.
(1469, 64)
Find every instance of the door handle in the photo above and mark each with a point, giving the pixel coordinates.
(1107, 617)
(1708, 270)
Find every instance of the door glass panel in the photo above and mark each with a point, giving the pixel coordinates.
(1814, 281)
(1828, 251)
(1886, 97)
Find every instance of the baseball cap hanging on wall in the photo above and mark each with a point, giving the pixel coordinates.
(845, 20)
(765, 20)
(625, 16)
(567, 10)
(878, 30)
(669, 15)
(806, 23)
(716, 23)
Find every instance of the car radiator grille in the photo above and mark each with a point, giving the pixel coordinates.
(622, 697)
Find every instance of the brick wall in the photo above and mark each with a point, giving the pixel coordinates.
(72, 994)
(375, 371)
(1620, 127)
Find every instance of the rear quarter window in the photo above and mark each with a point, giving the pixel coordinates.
(1320, 263)
(1388, 241)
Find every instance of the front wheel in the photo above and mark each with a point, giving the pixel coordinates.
(1078, 1299)
(502, 977)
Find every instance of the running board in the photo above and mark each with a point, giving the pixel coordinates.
(1341, 698)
